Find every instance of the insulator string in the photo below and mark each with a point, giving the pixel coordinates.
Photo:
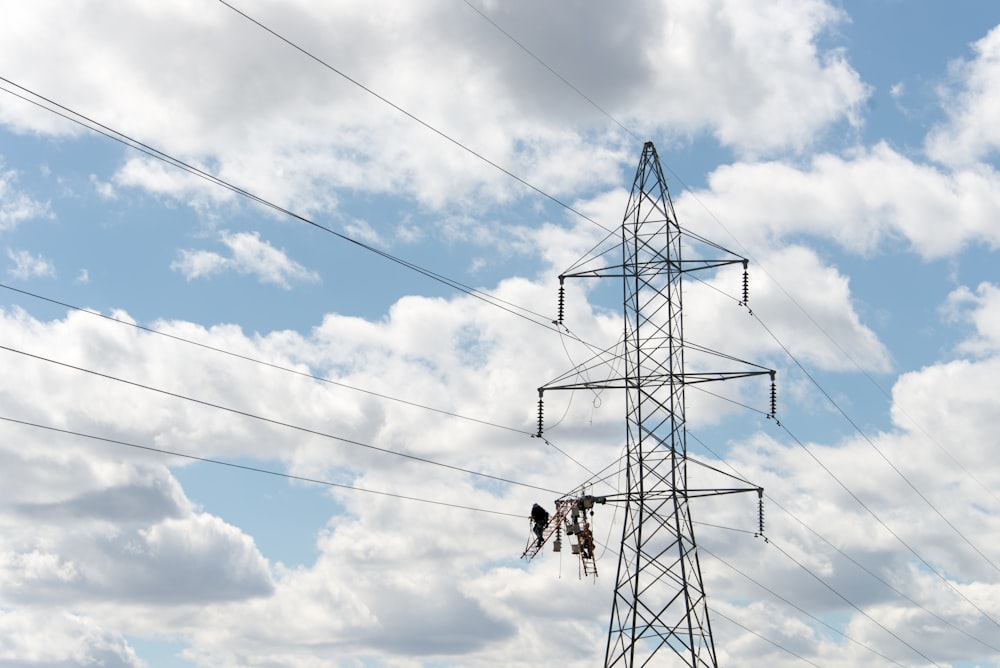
(760, 514)
(562, 300)
(774, 396)
(540, 414)
(746, 284)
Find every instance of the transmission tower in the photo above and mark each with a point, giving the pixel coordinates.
(659, 597)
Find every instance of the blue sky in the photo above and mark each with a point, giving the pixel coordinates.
(848, 148)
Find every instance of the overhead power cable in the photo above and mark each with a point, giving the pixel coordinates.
(885, 526)
(888, 585)
(855, 561)
(716, 613)
(296, 371)
(278, 423)
(254, 469)
(411, 116)
(820, 580)
(541, 62)
(877, 450)
(98, 127)
(801, 610)
(265, 363)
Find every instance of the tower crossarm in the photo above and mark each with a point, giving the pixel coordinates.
(654, 380)
(650, 267)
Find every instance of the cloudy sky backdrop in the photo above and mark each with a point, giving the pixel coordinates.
(850, 149)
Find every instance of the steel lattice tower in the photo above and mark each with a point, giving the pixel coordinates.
(659, 597)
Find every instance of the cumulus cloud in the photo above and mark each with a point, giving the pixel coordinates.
(27, 266)
(761, 59)
(17, 206)
(108, 526)
(756, 80)
(862, 202)
(970, 134)
(107, 531)
(61, 638)
(248, 255)
(981, 309)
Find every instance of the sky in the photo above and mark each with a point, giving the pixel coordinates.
(277, 408)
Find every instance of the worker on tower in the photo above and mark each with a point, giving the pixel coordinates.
(539, 519)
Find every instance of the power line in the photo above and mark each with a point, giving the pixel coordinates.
(254, 469)
(879, 578)
(820, 580)
(296, 371)
(278, 423)
(412, 117)
(876, 449)
(883, 524)
(796, 607)
(261, 362)
(110, 133)
(555, 73)
(715, 612)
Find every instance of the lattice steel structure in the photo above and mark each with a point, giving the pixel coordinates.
(659, 597)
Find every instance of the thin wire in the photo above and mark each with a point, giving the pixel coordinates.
(719, 526)
(247, 358)
(886, 526)
(556, 74)
(110, 133)
(254, 469)
(878, 450)
(770, 498)
(792, 605)
(716, 613)
(278, 423)
(880, 579)
(820, 580)
(409, 115)
(164, 157)
(832, 339)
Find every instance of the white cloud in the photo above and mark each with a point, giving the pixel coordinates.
(970, 134)
(363, 231)
(27, 266)
(982, 309)
(61, 638)
(862, 202)
(106, 524)
(807, 304)
(752, 74)
(16, 206)
(103, 189)
(248, 255)
(749, 73)
(108, 532)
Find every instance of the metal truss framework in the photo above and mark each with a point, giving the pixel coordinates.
(659, 598)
